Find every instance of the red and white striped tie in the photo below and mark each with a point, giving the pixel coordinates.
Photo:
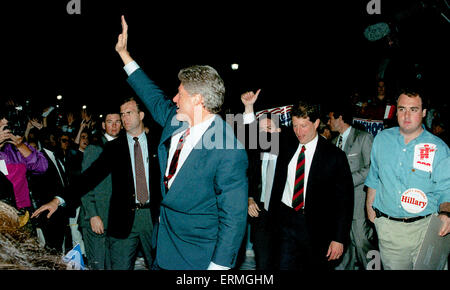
(176, 156)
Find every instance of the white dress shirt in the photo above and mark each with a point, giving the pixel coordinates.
(268, 159)
(290, 180)
(109, 137)
(196, 133)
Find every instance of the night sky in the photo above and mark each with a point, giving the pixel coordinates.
(288, 50)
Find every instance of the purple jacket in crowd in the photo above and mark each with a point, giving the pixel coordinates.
(17, 166)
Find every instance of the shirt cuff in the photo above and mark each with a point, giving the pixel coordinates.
(249, 118)
(62, 202)
(213, 266)
(131, 67)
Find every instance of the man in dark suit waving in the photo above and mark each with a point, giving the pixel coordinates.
(312, 194)
(203, 169)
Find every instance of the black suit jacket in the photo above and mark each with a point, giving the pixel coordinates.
(329, 195)
(46, 186)
(250, 136)
(115, 160)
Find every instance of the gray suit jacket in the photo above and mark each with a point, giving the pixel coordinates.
(97, 201)
(357, 148)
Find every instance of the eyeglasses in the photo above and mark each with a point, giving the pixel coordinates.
(65, 140)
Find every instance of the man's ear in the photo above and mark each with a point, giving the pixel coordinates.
(316, 124)
(197, 99)
(103, 125)
(141, 115)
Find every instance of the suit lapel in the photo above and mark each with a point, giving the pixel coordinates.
(196, 158)
(127, 167)
(350, 140)
(314, 171)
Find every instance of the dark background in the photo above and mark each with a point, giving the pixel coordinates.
(289, 49)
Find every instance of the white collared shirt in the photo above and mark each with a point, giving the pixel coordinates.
(265, 157)
(290, 180)
(196, 133)
(109, 137)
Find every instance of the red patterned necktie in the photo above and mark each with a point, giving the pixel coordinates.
(297, 199)
(141, 181)
(176, 156)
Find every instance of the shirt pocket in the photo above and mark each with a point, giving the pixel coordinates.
(420, 179)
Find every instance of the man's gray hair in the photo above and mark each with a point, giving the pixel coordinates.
(204, 80)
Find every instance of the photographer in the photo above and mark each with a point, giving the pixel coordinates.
(16, 157)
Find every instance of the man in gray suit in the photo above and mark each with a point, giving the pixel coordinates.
(357, 145)
(94, 209)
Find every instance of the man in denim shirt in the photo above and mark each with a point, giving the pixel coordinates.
(408, 181)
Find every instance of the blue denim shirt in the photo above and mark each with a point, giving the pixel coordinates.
(392, 172)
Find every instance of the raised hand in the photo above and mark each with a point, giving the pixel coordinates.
(36, 124)
(249, 99)
(122, 43)
(4, 133)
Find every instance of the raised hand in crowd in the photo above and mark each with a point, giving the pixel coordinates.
(70, 118)
(33, 123)
(249, 99)
(7, 137)
(4, 133)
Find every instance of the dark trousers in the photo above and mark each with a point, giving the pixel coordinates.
(54, 230)
(297, 249)
(261, 235)
(123, 251)
(97, 249)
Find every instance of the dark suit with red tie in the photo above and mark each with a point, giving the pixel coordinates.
(327, 215)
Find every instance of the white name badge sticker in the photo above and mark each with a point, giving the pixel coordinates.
(423, 156)
(414, 200)
(3, 168)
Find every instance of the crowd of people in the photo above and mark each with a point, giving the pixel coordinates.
(318, 195)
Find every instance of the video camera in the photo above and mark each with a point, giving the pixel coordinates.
(17, 116)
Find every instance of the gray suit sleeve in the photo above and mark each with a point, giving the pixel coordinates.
(366, 146)
(88, 201)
